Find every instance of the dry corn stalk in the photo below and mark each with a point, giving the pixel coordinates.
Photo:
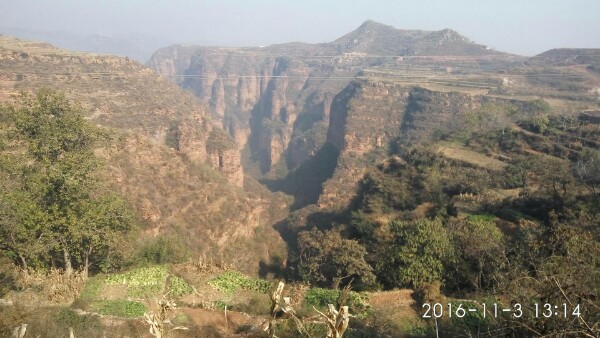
(19, 331)
(337, 321)
(280, 303)
(55, 285)
(159, 322)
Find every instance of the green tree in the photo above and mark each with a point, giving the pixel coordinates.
(327, 257)
(555, 177)
(23, 236)
(57, 194)
(418, 253)
(517, 172)
(481, 248)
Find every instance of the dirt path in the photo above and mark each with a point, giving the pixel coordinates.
(235, 321)
(456, 152)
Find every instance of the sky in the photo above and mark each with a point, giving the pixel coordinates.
(525, 27)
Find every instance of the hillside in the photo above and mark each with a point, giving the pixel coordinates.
(171, 162)
(567, 56)
(277, 101)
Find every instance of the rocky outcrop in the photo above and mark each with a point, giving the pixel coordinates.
(229, 164)
(189, 138)
(202, 142)
(172, 61)
(365, 118)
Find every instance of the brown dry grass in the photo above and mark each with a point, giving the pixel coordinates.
(457, 152)
(53, 286)
(234, 322)
(399, 304)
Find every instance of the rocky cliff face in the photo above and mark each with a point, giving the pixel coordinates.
(366, 118)
(202, 142)
(276, 100)
(259, 97)
(172, 61)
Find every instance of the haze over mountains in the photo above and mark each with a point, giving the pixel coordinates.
(380, 134)
(136, 46)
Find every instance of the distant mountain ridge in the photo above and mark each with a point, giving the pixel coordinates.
(376, 38)
(135, 46)
(569, 56)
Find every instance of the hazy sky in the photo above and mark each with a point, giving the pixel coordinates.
(525, 27)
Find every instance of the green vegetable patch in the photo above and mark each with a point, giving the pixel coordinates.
(231, 281)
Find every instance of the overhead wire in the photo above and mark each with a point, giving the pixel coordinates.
(406, 72)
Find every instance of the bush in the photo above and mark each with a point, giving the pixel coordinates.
(164, 250)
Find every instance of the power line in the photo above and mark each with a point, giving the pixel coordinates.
(378, 75)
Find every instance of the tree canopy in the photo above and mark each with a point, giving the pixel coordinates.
(54, 207)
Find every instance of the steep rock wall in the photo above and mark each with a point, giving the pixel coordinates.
(365, 118)
(202, 142)
(271, 102)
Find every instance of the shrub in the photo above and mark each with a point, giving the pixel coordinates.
(164, 250)
(69, 318)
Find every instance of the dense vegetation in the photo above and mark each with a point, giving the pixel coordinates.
(55, 210)
(525, 231)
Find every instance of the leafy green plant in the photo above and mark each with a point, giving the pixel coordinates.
(142, 282)
(79, 323)
(319, 297)
(177, 286)
(482, 217)
(231, 281)
(120, 308)
(220, 305)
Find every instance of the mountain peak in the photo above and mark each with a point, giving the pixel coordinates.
(373, 24)
(372, 37)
